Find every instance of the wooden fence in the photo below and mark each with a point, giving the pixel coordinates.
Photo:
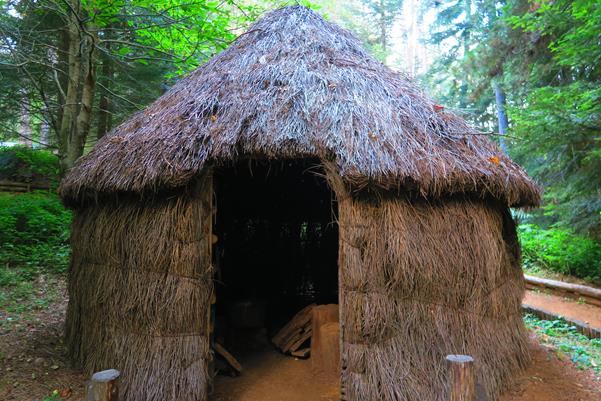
(13, 186)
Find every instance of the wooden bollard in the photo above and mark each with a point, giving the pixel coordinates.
(462, 381)
(104, 386)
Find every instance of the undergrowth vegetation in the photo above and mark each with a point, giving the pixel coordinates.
(23, 164)
(568, 342)
(560, 251)
(34, 230)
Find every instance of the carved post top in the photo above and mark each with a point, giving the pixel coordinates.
(105, 376)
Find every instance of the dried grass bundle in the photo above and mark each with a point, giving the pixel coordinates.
(297, 86)
(420, 280)
(139, 293)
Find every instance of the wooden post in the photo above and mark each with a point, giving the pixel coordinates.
(462, 382)
(104, 386)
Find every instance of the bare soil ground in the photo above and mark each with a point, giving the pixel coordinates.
(552, 379)
(33, 364)
(565, 307)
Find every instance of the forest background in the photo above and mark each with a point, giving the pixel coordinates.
(526, 72)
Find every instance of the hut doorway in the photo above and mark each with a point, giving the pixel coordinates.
(276, 252)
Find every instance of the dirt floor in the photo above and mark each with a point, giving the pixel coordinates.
(279, 378)
(33, 364)
(565, 307)
(271, 376)
(552, 379)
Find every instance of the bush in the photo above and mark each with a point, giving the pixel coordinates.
(561, 251)
(24, 164)
(34, 233)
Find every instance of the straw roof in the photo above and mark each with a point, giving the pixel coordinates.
(297, 86)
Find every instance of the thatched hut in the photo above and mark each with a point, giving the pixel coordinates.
(307, 158)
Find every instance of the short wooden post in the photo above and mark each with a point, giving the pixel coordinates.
(462, 381)
(104, 386)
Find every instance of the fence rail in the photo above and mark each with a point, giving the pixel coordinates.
(14, 186)
(590, 295)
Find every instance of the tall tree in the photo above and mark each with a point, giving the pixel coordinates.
(383, 13)
(543, 58)
(76, 59)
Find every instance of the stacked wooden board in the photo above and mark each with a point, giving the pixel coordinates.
(295, 333)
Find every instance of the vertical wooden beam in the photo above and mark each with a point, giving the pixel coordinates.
(462, 382)
(104, 386)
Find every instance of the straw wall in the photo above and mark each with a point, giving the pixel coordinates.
(139, 289)
(419, 281)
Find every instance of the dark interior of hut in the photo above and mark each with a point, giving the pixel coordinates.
(275, 250)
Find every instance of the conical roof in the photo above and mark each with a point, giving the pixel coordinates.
(296, 85)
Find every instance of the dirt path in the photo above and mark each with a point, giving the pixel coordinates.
(552, 379)
(564, 307)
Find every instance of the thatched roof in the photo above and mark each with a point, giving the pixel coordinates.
(295, 86)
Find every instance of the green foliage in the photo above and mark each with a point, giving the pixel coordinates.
(561, 251)
(584, 352)
(185, 32)
(371, 21)
(558, 120)
(139, 49)
(546, 57)
(23, 164)
(34, 231)
(54, 396)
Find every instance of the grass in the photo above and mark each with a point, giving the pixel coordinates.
(21, 298)
(54, 396)
(34, 253)
(567, 342)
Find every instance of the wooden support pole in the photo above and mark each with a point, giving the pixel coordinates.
(462, 381)
(104, 386)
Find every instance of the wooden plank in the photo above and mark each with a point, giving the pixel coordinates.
(294, 326)
(302, 353)
(581, 327)
(103, 386)
(233, 362)
(589, 294)
(299, 320)
(299, 341)
(462, 381)
(290, 339)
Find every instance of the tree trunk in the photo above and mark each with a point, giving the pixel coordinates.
(84, 118)
(383, 34)
(105, 107)
(467, 7)
(61, 79)
(69, 115)
(383, 27)
(502, 115)
(77, 108)
(25, 130)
